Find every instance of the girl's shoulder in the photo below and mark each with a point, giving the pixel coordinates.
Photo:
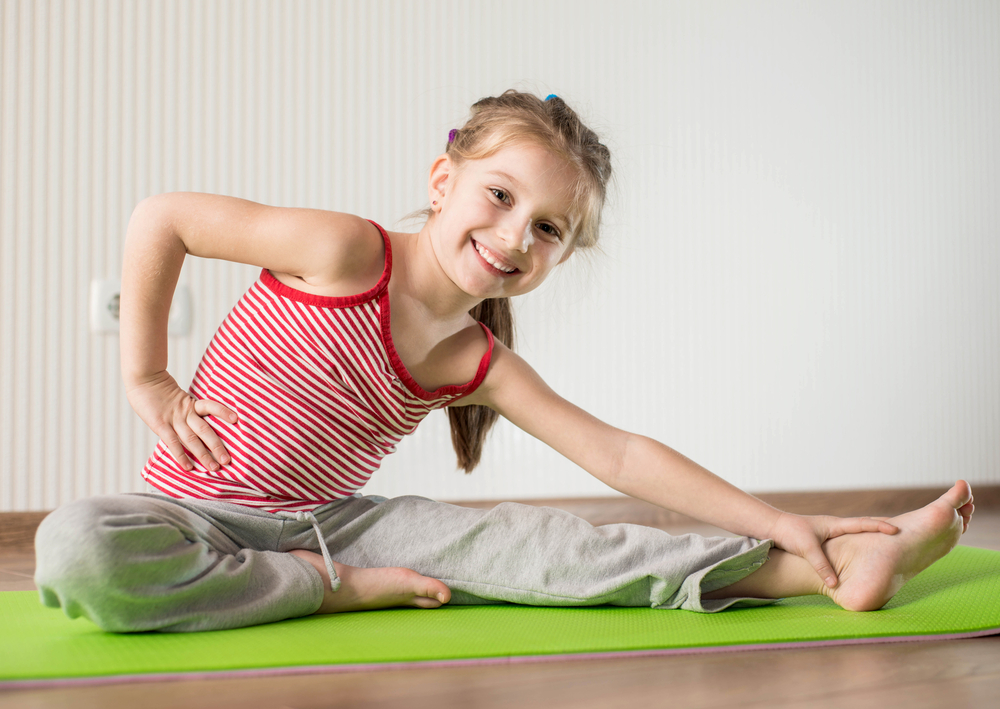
(340, 254)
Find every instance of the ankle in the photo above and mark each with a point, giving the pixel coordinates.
(783, 575)
(316, 561)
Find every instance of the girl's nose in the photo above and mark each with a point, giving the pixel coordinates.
(518, 236)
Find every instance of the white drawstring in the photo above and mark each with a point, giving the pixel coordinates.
(309, 517)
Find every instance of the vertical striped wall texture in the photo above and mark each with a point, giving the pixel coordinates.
(799, 284)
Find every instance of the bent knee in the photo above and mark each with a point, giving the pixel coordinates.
(88, 554)
(65, 535)
(68, 549)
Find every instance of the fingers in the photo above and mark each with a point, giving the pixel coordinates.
(886, 527)
(205, 444)
(176, 448)
(205, 407)
(186, 441)
(178, 419)
(822, 565)
(191, 434)
(877, 524)
(856, 525)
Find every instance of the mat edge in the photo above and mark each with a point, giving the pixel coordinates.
(479, 661)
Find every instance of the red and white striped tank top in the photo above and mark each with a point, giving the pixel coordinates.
(321, 394)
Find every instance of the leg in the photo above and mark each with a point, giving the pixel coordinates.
(530, 555)
(147, 562)
(871, 567)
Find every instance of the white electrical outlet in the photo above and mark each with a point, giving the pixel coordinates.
(179, 321)
(105, 295)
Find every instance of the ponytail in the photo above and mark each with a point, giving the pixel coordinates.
(471, 424)
(496, 122)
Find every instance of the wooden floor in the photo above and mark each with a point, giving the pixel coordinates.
(954, 674)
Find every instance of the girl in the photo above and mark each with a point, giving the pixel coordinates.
(348, 339)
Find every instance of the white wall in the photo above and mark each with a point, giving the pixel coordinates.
(800, 280)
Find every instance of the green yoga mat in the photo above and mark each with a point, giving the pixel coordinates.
(959, 596)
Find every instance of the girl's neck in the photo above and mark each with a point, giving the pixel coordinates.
(418, 277)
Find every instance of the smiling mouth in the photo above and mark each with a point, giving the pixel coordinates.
(495, 263)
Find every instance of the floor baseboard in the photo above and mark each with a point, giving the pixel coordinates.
(17, 529)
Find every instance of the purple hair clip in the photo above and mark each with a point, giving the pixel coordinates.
(451, 135)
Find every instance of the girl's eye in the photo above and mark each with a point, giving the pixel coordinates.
(499, 194)
(549, 229)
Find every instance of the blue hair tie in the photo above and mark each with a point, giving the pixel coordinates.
(550, 97)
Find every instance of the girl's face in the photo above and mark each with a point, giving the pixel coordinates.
(504, 222)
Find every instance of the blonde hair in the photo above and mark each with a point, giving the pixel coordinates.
(496, 123)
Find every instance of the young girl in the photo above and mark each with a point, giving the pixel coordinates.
(348, 339)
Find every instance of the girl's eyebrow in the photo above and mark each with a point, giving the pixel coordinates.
(505, 176)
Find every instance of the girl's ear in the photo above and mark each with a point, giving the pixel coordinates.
(437, 184)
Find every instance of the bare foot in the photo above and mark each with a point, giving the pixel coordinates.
(873, 567)
(367, 589)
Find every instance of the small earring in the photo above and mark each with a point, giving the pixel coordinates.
(433, 202)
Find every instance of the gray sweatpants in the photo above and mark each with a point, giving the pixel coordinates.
(150, 562)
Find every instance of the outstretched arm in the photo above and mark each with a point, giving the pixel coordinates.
(648, 470)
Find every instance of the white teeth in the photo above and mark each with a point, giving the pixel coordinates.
(491, 259)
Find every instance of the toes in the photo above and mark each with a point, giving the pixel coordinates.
(430, 594)
(427, 591)
(960, 494)
(437, 590)
(966, 511)
(421, 602)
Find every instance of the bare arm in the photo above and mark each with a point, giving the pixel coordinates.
(648, 470)
(632, 464)
(322, 248)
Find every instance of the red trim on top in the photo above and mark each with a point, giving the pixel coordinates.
(380, 291)
(410, 382)
(484, 364)
(326, 301)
